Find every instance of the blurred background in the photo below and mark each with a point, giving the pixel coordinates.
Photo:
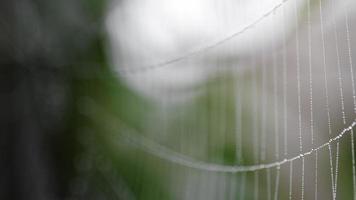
(177, 99)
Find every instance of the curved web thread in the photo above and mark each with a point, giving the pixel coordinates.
(205, 48)
(133, 138)
(136, 139)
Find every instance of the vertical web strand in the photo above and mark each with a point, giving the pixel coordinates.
(331, 171)
(303, 177)
(310, 76)
(339, 70)
(353, 164)
(290, 179)
(285, 116)
(299, 97)
(298, 81)
(255, 131)
(324, 66)
(311, 99)
(350, 57)
(316, 176)
(341, 99)
(354, 99)
(263, 121)
(242, 188)
(277, 183)
(240, 88)
(336, 167)
(276, 125)
(268, 177)
(326, 94)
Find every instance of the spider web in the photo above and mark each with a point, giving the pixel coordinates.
(285, 127)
